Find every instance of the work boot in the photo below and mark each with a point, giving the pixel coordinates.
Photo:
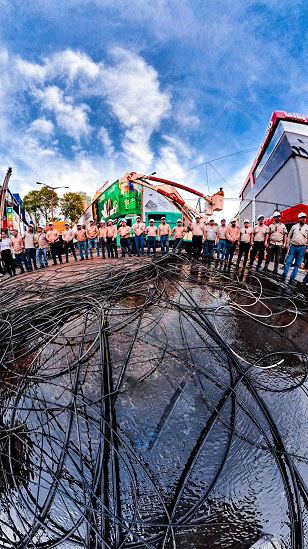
(42, 266)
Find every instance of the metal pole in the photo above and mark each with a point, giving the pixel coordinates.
(52, 191)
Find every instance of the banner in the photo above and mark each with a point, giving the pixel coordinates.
(9, 218)
(120, 199)
(155, 202)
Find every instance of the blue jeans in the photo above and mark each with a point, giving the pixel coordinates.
(125, 246)
(31, 257)
(221, 247)
(151, 244)
(102, 243)
(93, 244)
(21, 258)
(296, 253)
(82, 246)
(139, 241)
(164, 243)
(39, 253)
(231, 247)
(208, 249)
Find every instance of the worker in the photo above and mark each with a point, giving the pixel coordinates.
(102, 234)
(92, 235)
(124, 234)
(232, 236)
(244, 243)
(298, 242)
(221, 240)
(197, 229)
(178, 231)
(258, 236)
(53, 236)
(210, 235)
(17, 245)
(111, 235)
(139, 230)
(164, 233)
(68, 239)
(151, 232)
(275, 241)
(40, 241)
(81, 237)
(30, 248)
(6, 255)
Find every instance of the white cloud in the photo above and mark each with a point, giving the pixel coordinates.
(42, 126)
(106, 141)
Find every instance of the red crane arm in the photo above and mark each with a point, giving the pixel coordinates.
(158, 179)
(172, 196)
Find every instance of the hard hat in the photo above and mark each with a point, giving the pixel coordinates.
(109, 221)
(138, 217)
(39, 227)
(212, 219)
(198, 217)
(233, 221)
(163, 217)
(151, 219)
(276, 214)
(102, 222)
(50, 223)
(246, 221)
(123, 220)
(66, 224)
(179, 221)
(302, 214)
(78, 224)
(91, 221)
(260, 217)
(223, 219)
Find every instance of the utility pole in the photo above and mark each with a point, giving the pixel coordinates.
(52, 194)
(3, 195)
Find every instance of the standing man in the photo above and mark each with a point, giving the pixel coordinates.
(298, 240)
(258, 237)
(111, 235)
(275, 241)
(139, 230)
(53, 236)
(244, 243)
(179, 232)
(164, 233)
(30, 248)
(151, 233)
(81, 238)
(102, 237)
(92, 234)
(17, 244)
(197, 229)
(232, 236)
(221, 240)
(68, 238)
(124, 234)
(210, 235)
(40, 240)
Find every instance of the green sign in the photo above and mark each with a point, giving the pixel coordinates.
(120, 199)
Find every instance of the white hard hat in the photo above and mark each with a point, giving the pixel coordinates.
(246, 221)
(276, 214)
(109, 221)
(198, 217)
(163, 217)
(123, 220)
(151, 219)
(179, 221)
(212, 219)
(233, 221)
(302, 214)
(260, 216)
(138, 216)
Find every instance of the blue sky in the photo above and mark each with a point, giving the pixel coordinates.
(91, 89)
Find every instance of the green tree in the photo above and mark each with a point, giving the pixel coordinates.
(71, 206)
(39, 203)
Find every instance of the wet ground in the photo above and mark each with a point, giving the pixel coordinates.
(159, 405)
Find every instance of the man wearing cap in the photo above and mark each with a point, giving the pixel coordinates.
(17, 245)
(92, 234)
(151, 233)
(244, 243)
(139, 230)
(178, 231)
(124, 234)
(111, 235)
(221, 240)
(81, 237)
(197, 229)
(164, 233)
(258, 237)
(102, 235)
(53, 236)
(210, 235)
(41, 251)
(298, 241)
(275, 241)
(232, 236)
(68, 239)
(30, 248)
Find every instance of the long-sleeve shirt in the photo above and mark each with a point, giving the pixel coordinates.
(232, 233)
(179, 231)
(138, 228)
(17, 244)
(151, 230)
(41, 240)
(124, 232)
(111, 231)
(276, 233)
(92, 231)
(210, 232)
(245, 234)
(29, 240)
(298, 235)
(52, 235)
(259, 232)
(197, 229)
(68, 235)
(102, 231)
(164, 229)
(221, 231)
(80, 235)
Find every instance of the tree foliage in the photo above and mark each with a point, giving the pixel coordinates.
(71, 206)
(38, 203)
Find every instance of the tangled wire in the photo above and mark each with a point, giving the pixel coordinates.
(156, 404)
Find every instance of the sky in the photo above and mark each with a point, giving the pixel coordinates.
(92, 89)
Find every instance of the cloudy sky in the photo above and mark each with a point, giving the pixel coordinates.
(91, 89)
